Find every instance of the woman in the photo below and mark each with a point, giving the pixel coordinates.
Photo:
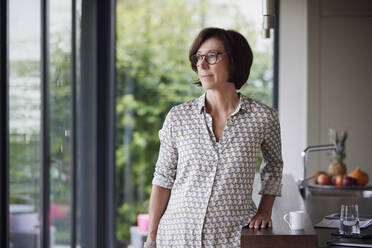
(202, 186)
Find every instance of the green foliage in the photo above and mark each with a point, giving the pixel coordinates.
(60, 110)
(154, 74)
(24, 148)
(25, 142)
(24, 68)
(127, 217)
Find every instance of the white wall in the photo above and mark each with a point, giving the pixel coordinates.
(293, 83)
(340, 78)
(325, 79)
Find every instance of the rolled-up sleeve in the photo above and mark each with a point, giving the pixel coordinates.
(166, 165)
(272, 167)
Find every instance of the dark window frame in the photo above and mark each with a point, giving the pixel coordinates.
(96, 124)
(73, 212)
(4, 126)
(276, 57)
(97, 70)
(45, 137)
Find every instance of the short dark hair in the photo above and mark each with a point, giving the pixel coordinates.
(237, 48)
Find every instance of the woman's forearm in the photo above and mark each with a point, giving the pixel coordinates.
(158, 202)
(266, 204)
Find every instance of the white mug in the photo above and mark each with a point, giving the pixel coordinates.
(296, 219)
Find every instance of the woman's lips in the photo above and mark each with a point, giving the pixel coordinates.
(206, 76)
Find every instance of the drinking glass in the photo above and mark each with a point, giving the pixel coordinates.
(349, 219)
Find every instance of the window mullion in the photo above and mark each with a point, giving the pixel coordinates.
(4, 127)
(45, 158)
(276, 57)
(73, 136)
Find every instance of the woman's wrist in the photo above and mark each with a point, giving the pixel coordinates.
(151, 236)
(149, 244)
(266, 204)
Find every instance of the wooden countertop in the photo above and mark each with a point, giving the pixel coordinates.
(280, 235)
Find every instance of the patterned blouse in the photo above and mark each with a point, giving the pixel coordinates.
(211, 182)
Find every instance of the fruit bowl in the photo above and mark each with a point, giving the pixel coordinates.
(314, 189)
(351, 187)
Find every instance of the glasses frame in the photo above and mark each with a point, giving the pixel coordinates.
(204, 57)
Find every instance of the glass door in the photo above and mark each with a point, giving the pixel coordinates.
(24, 122)
(42, 75)
(60, 122)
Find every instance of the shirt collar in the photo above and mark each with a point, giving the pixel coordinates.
(244, 103)
(201, 103)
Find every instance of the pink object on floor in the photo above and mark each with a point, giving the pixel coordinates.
(143, 222)
(58, 211)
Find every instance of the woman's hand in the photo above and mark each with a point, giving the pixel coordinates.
(261, 220)
(149, 244)
(263, 217)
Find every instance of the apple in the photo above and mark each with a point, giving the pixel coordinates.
(337, 180)
(323, 179)
(317, 174)
(348, 181)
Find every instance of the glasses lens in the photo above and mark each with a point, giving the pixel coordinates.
(195, 58)
(211, 58)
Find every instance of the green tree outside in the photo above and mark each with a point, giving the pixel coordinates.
(25, 143)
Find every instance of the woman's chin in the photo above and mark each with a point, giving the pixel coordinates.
(208, 85)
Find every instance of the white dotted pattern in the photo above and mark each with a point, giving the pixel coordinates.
(211, 182)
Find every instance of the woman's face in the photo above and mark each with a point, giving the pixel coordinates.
(213, 76)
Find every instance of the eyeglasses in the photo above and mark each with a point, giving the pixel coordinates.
(210, 58)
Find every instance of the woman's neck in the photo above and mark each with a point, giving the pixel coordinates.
(221, 101)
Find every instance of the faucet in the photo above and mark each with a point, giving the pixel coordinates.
(305, 155)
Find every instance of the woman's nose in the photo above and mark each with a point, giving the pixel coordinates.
(203, 63)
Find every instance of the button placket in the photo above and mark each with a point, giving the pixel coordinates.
(209, 193)
(209, 122)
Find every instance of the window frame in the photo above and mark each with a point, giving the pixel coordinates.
(4, 125)
(45, 137)
(276, 56)
(97, 55)
(96, 124)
